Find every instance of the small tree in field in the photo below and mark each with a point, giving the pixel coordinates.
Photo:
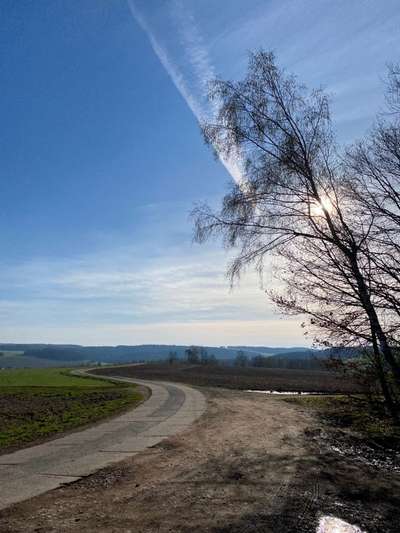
(204, 357)
(172, 357)
(309, 205)
(241, 359)
(193, 355)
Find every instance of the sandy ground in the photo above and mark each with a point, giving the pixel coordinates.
(251, 463)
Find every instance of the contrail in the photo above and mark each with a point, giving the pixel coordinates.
(201, 65)
(173, 72)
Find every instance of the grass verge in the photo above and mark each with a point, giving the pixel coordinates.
(36, 404)
(354, 414)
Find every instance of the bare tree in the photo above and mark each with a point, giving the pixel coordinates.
(298, 201)
(393, 89)
(193, 355)
(172, 357)
(241, 359)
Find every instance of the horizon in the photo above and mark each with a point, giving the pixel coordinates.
(103, 159)
(155, 344)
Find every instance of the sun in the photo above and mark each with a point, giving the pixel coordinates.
(318, 209)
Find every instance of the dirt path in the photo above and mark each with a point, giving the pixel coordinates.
(251, 463)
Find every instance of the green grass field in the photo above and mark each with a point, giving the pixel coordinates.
(47, 377)
(38, 403)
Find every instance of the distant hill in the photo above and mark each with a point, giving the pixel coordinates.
(306, 359)
(270, 350)
(74, 354)
(77, 354)
(18, 361)
(300, 354)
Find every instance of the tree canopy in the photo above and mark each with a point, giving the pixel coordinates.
(329, 215)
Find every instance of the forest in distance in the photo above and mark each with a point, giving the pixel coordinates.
(42, 355)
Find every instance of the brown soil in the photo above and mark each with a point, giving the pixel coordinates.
(230, 377)
(250, 464)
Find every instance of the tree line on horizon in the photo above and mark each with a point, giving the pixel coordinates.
(278, 361)
(194, 355)
(198, 355)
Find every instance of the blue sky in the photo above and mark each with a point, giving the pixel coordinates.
(102, 160)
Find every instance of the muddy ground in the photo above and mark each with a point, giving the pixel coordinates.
(251, 464)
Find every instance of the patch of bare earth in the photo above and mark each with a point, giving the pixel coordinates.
(251, 463)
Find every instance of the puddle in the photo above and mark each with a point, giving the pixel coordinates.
(331, 524)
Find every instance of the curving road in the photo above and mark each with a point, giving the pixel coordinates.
(170, 409)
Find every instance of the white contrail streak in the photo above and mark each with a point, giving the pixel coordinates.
(201, 65)
(173, 72)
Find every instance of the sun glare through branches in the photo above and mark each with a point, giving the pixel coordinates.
(321, 208)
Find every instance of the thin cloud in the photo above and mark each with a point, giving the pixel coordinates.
(96, 291)
(200, 65)
(172, 71)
